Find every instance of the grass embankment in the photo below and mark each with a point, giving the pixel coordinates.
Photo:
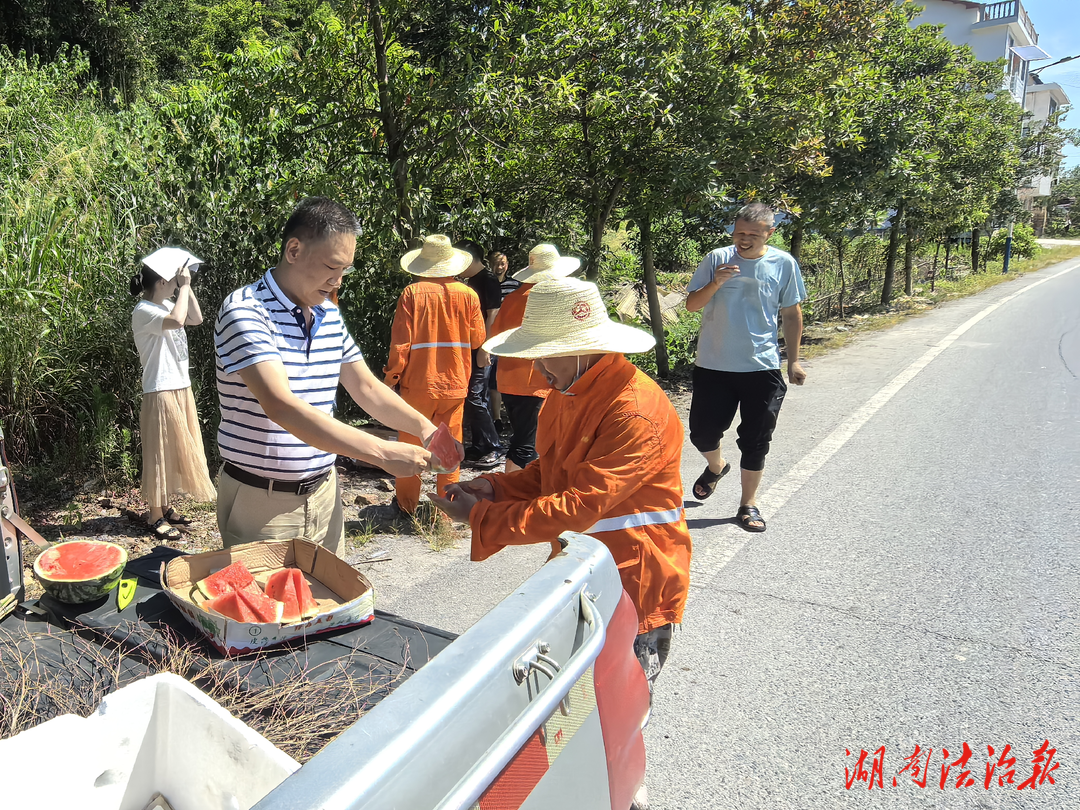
(825, 336)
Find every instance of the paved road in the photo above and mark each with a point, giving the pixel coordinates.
(1056, 242)
(917, 585)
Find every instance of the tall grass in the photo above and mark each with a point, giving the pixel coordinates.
(65, 243)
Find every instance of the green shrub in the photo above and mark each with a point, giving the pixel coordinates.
(681, 341)
(1024, 245)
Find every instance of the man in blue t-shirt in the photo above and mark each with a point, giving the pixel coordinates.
(740, 290)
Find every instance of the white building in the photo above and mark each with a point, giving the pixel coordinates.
(1042, 101)
(993, 31)
(1003, 31)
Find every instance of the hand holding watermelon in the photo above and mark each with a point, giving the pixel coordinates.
(446, 451)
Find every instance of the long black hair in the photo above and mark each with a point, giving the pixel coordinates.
(144, 280)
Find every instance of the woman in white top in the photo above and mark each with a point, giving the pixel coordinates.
(174, 461)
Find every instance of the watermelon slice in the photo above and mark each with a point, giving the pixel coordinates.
(80, 570)
(245, 606)
(282, 586)
(264, 608)
(446, 452)
(230, 606)
(235, 577)
(288, 585)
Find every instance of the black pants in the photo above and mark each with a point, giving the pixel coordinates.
(483, 436)
(523, 412)
(757, 395)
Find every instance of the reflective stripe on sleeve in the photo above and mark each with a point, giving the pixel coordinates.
(441, 346)
(614, 524)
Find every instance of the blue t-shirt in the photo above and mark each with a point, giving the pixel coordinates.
(738, 325)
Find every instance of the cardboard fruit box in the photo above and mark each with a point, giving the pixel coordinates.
(344, 595)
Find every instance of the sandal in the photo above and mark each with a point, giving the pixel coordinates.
(176, 518)
(163, 531)
(749, 515)
(706, 482)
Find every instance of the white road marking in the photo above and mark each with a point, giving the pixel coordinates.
(708, 559)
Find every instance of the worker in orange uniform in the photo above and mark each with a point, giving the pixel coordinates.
(522, 386)
(437, 325)
(610, 446)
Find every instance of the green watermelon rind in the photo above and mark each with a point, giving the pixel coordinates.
(87, 590)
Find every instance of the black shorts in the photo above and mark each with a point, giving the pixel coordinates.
(757, 395)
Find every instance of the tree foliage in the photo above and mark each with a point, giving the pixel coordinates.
(127, 125)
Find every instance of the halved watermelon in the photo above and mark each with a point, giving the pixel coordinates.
(448, 454)
(80, 570)
(235, 577)
(289, 586)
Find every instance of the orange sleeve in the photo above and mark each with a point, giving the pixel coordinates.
(626, 454)
(477, 328)
(520, 485)
(400, 339)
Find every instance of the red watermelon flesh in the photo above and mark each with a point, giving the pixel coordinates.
(289, 586)
(230, 606)
(235, 577)
(79, 560)
(448, 455)
(281, 586)
(264, 608)
(308, 606)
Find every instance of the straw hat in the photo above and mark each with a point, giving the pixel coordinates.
(545, 258)
(436, 258)
(566, 317)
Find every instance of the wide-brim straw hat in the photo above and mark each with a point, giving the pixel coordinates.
(566, 317)
(545, 258)
(436, 258)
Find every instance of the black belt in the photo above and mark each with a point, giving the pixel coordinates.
(305, 487)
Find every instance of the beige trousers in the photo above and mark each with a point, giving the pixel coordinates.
(246, 514)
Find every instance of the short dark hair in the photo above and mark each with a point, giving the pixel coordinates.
(472, 248)
(758, 213)
(316, 218)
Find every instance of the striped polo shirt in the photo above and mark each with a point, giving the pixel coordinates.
(258, 323)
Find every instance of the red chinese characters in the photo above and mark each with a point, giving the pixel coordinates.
(954, 771)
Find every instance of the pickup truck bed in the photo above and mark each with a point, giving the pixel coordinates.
(384, 652)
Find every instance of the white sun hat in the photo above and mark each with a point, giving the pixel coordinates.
(436, 258)
(545, 258)
(167, 261)
(566, 317)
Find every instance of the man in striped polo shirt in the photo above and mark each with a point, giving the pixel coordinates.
(282, 348)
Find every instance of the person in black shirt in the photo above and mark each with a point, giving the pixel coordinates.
(500, 266)
(484, 451)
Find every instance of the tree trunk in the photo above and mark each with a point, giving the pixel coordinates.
(795, 248)
(948, 252)
(909, 260)
(975, 234)
(656, 317)
(890, 260)
(395, 147)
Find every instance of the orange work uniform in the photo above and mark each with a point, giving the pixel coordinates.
(437, 324)
(610, 453)
(515, 375)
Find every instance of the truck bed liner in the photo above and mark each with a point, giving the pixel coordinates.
(386, 651)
